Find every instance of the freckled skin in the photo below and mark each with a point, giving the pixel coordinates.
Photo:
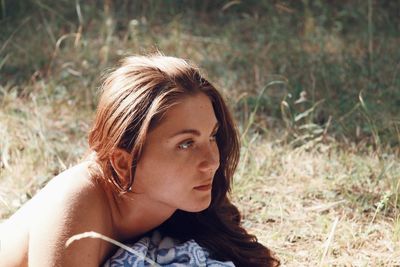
(167, 178)
(168, 173)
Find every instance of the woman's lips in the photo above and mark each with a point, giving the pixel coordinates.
(203, 187)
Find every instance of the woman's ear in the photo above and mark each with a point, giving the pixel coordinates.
(121, 162)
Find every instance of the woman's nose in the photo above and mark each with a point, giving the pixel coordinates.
(210, 158)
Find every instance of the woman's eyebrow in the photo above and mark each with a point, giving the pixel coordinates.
(192, 131)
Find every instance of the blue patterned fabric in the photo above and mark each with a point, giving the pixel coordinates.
(156, 250)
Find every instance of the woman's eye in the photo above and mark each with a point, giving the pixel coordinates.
(189, 143)
(185, 145)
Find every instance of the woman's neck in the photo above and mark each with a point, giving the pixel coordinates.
(132, 214)
(135, 214)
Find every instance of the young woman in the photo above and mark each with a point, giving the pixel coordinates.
(163, 152)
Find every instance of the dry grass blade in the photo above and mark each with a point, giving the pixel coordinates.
(329, 241)
(112, 241)
(325, 207)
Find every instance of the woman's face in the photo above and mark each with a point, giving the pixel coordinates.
(180, 157)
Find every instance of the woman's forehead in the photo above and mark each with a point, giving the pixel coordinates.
(192, 112)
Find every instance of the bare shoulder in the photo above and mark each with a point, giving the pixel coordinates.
(72, 203)
(71, 195)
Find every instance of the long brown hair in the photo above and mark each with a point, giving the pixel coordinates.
(134, 98)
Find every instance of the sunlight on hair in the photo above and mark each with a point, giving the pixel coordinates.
(92, 234)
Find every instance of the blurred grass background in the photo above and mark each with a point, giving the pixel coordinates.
(314, 85)
(340, 61)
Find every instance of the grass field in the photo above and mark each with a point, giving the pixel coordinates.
(314, 86)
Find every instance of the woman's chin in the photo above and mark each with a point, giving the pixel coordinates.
(199, 206)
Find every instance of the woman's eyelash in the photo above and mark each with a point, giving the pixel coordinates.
(187, 144)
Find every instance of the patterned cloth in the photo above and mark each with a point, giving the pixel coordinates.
(163, 251)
